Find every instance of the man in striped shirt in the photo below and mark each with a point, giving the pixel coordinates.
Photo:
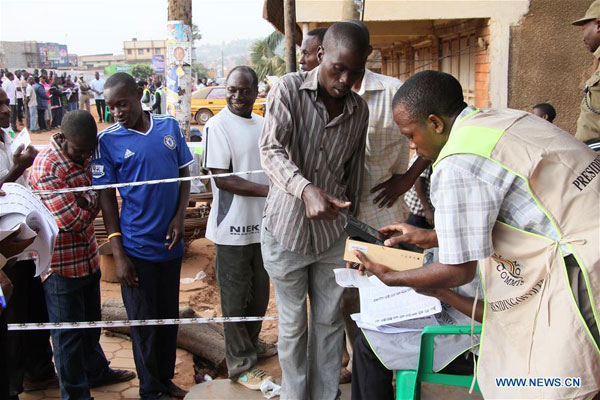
(312, 149)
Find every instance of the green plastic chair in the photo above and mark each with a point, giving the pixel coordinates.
(408, 382)
(108, 117)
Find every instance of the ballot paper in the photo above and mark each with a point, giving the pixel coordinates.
(411, 325)
(385, 305)
(21, 208)
(22, 138)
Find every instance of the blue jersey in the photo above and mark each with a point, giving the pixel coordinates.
(126, 155)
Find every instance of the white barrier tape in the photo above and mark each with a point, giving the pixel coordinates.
(133, 322)
(154, 182)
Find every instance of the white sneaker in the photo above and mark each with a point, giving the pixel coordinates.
(253, 378)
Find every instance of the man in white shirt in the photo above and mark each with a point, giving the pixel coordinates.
(31, 101)
(231, 140)
(11, 91)
(97, 86)
(19, 81)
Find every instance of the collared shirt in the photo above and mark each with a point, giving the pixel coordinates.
(301, 145)
(11, 91)
(76, 249)
(6, 158)
(470, 193)
(98, 84)
(588, 123)
(30, 92)
(412, 198)
(387, 151)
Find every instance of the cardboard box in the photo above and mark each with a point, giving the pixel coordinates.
(400, 260)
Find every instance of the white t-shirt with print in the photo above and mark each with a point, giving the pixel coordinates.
(231, 143)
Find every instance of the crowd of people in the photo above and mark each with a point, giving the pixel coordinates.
(503, 203)
(39, 100)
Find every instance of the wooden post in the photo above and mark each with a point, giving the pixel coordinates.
(289, 18)
(178, 62)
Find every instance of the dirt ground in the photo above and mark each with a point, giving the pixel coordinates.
(202, 296)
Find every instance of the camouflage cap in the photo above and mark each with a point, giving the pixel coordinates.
(592, 13)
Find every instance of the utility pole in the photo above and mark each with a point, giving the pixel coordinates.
(289, 20)
(178, 62)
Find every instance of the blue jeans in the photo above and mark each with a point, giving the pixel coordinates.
(33, 115)
(154, 347)
(79, 359)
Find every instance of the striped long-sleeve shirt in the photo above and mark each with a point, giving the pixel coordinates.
(299, 146)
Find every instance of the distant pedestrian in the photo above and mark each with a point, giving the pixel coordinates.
(97, 86)
(20, 95)
(85, 94)
(56, 104)
(31, 101)
(159, 105)
(42, 102)
(11, 91)
(73, 97)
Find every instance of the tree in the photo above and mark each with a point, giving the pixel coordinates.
(199, 70)
(141, 71)
(263, 57)
(196, 35)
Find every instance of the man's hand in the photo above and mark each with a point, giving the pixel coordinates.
(320, 204)
(126, 271)
(391, 189)
(7, 286)
(381, 271)
(424, 238)
(175, 231)
(10, 246)
(24, 159)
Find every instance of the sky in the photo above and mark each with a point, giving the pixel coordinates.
(101, 26)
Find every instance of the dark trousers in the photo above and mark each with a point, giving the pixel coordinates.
(20, 110)
(418, 221)
(29, 352)
(13, 117)
(42, 118)
(79, 358)
(57, 115)
(244, 286)
(370, 379)
(4, 370)
(154, 347)
(100, 107)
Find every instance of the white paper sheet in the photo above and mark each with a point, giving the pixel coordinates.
(21, 207)
(22, 138)
(385, 305)
(411, 325)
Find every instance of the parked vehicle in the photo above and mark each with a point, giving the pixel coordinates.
(209, 101)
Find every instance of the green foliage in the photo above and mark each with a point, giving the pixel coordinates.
(141, 71)
(199, 70)
(263, 58)
(196, 35)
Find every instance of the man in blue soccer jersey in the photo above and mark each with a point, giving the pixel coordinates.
(146, 239)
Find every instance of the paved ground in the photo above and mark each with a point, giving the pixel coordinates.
(118, 351)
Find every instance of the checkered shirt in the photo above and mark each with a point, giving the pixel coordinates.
(76, 250)
(411, 198)
(387, 152)
(469, 194)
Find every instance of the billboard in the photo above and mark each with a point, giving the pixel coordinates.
(158, 63)
(53, 55)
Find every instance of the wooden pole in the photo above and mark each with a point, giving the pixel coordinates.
(178, 65)
(289, 17)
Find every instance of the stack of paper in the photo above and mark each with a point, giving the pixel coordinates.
(386, 306)
(22, 138)
(21, 208)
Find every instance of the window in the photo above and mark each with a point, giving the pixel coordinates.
(140, 52)
(147, 50)
(219, 93)
(128, 51)
(458, 54)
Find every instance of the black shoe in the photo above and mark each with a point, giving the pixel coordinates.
(32, 386)
(174, 390)
(113, 376)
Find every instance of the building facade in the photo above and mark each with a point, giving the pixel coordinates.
(505, 53)
(141, 51)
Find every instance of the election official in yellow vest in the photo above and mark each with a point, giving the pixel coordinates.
(588, 124)
(521, 197)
